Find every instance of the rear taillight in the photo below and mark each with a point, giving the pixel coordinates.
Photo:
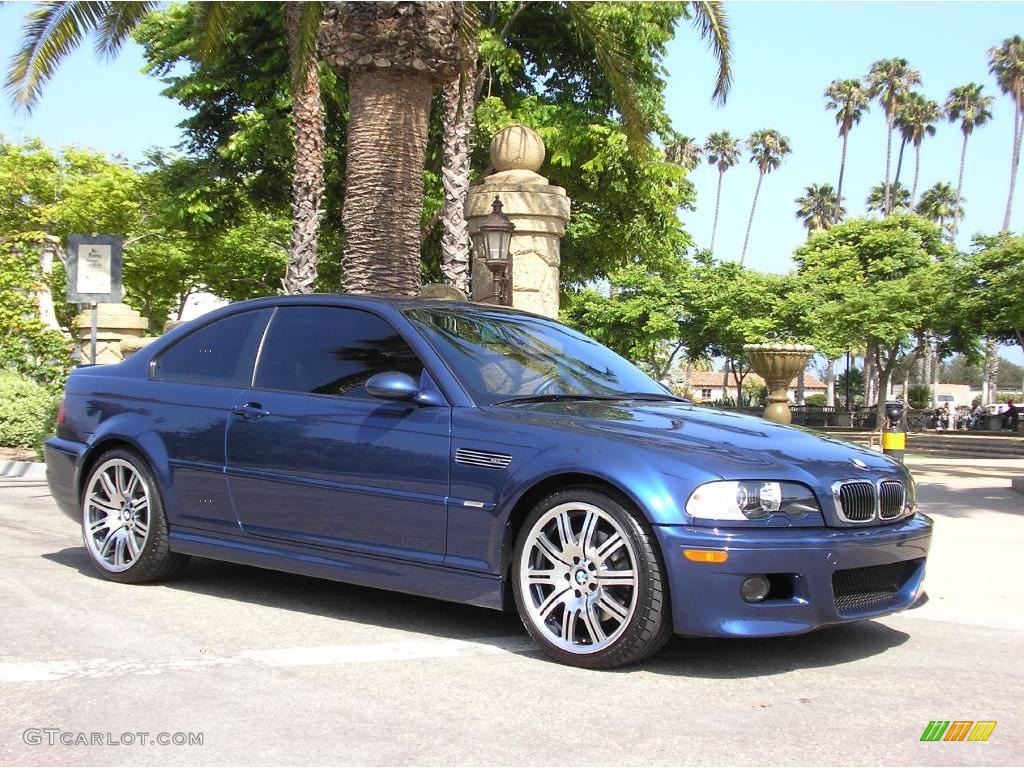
(60, 413)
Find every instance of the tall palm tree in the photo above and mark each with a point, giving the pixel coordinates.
(819, 208)
(461, 93)
(966, 104)
(850, 100)
(53, 30)
(722, 151)
(685, 152)
(767, 148)
(889, 81)
(394, 56)
(899, 198)
(916, 119)
(939, 204)
(1006, 62)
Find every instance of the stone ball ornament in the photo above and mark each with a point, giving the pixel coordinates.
(517, 148)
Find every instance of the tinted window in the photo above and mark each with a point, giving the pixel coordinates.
(330, 351)
(219, 353)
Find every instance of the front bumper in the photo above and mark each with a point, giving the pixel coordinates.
(706, 597)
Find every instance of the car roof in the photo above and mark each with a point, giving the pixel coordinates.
(370, 301)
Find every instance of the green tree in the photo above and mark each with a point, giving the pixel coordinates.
(767, 148)
(850, 100)
(1006, 62)
(966, 104)
(723, 152)
(627, 42)
(889, 81)
(819, 208)
(53, 30)
(995, 297)
(879, 282)
(939, 203)
(916, 119)
(899, 198)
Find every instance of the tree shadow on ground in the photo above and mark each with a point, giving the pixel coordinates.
(712, 658)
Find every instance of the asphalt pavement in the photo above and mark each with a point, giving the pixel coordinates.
(267, 668)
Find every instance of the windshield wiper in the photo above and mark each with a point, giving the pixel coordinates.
(617, 397)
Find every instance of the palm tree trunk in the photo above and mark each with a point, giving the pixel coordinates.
(899, 163)
(308, 179)
(457, 98)
(842, 168)
(888, 165)
(830, 382)
(750, 221)
(960, 185)
(917, 173)
(1018, 124)
(992, 369)
(387, 138)
(718, 200)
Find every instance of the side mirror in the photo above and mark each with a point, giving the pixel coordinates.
(392, 385)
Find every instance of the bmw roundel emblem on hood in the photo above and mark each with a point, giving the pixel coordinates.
(859, 464)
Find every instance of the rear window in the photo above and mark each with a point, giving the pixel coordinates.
(221, 353)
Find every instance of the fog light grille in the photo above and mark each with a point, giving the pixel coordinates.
(874, 588)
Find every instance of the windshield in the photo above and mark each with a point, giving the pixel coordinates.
(500, 356)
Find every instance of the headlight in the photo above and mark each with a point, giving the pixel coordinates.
(750, 500)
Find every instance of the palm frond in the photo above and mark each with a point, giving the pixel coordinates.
(710, 19)
(617, 68)
(117, 22)
(51, 32)
(211, 24)
(303, 28)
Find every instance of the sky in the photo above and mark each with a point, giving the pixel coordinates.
(785, 55)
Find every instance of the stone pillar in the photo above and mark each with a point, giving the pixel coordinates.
(115, 323)
(539, 212)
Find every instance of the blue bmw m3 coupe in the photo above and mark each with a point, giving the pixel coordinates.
(481, 455)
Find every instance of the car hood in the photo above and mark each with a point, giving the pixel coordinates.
(729, 444)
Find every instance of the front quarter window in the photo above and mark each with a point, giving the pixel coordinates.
(500, 356)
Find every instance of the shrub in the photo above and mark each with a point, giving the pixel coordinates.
(920, 394)
(28, 412)
(816, 399)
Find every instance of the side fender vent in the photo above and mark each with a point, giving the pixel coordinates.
(484, 459)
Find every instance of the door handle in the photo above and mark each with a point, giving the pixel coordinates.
(250, 411)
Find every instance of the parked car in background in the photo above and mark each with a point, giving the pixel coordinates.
(481, 455)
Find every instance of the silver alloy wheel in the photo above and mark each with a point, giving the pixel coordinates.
(116, 515)
(578, 577)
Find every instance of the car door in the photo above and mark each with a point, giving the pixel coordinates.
(194, 385)
(313, 459)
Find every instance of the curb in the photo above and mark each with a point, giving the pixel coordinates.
(22, 470)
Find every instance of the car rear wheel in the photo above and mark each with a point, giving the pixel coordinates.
(588, 582)
(123, 522)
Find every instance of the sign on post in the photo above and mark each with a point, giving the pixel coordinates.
(94, 275)
(94, 269)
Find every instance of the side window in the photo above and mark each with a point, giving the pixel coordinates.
(222, 352)
(330, 351)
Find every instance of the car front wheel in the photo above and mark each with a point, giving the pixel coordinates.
(123, 522)
(588, 582)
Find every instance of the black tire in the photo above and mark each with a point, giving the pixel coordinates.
(154, 561)
(649, 626)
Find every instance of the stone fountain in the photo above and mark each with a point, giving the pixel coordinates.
(777, 364)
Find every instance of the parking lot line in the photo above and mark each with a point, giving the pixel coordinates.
(326, 655)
